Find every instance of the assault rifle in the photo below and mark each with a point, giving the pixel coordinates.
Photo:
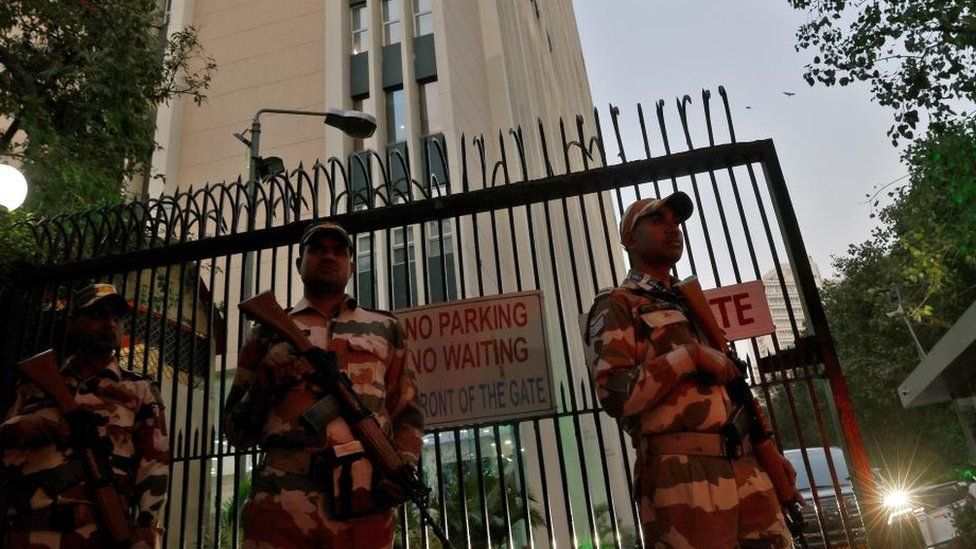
(43, 370)
(376, 443)
(769, 458)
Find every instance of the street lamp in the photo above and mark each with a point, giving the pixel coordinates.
(13, 187)
(895, 296)
(352, 123)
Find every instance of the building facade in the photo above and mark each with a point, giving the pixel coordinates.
(780, 306)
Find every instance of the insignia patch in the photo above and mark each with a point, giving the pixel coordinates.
(597, 324)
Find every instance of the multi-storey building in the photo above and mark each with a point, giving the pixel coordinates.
(778, 306)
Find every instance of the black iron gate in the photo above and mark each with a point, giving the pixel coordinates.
(533, 209)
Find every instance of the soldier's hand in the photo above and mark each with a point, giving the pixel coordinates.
(788, 468)
(715, 365)
(284, 366)
(391, 494)
(82, 427)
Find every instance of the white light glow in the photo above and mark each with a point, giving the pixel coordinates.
(896, 499)
(13, 187)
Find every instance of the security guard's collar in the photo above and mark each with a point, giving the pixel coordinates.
(647, 283)
(347, 304)
(112, 369)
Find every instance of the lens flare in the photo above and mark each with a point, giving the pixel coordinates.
(896, 499)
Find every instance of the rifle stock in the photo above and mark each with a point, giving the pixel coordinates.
(768, 456)
(43, 370)
(265, 309)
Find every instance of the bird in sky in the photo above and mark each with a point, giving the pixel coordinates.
(789, 94)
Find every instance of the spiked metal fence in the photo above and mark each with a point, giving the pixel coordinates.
(535, 208)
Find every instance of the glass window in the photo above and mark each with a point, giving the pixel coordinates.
(404, 270)
(423, 17)
(434, 164)
(440, 262)
(396, 116)
(430, 108)
(359, 180)
(363, 105)
(392, 30)
(360, 29)
(398, 166)
(364, 271)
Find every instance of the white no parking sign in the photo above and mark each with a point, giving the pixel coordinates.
(482, 359)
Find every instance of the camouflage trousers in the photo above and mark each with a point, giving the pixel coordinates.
(708, 502)
(286, 513)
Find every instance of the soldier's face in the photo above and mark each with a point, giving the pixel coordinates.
(656, 239)
(325, 264)
(98, 329)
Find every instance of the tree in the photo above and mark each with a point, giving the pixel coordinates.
(80, 81)
(919, 56)
(925, 246)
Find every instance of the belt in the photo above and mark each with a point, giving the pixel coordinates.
(57, 518)
(694, 444)
(305, 463)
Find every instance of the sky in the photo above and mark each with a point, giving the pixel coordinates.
(832, 142)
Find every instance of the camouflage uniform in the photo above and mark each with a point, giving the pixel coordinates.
(297, 492)
(50, 506)
(644, 377)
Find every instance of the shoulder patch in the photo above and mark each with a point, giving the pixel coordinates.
(597, 323)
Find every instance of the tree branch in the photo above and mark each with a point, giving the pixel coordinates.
(8, 135)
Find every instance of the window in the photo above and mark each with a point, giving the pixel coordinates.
(434, 164)
(363, 105)
(430, 108)
(398, 166)
(440, 261)
(167, 14)
(364, 271)
(423, 17)
(360, 165)
(360, 29)
(404, 270)
(396, 116)
(392, 29)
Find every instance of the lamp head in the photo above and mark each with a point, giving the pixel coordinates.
(353, 123)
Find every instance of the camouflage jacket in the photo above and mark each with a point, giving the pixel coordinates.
(641, 370)
(134, 421)
(258, 411)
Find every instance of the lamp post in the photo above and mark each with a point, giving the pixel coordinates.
(352, 123)
(895, 296)
(13, 187)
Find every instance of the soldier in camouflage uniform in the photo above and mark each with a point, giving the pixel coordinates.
(120, 412)
(315, 486)
(655, 374)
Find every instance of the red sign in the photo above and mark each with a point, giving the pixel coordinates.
(741, 310)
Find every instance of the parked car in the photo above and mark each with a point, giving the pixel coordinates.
(827, 520)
